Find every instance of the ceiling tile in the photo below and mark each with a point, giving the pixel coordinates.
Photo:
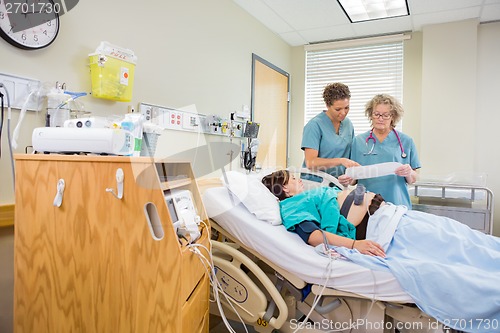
(308, 14)
(490, 12)
(265, 15)
(293, 38)
(432, 6)
(342, 31)
(453, 15)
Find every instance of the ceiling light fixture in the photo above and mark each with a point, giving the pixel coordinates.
(367, 10)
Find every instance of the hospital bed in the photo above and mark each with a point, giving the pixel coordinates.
(273, 280)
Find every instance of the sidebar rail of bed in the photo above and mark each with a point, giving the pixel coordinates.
(468, 204)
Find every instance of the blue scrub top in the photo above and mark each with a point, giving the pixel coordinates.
(393, 188)
(319, 134)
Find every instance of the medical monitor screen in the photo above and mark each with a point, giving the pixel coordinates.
(251, 130)
(171, 208)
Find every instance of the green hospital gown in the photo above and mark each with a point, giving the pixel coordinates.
(319, 205)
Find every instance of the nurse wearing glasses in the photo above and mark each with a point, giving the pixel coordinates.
(383, 143)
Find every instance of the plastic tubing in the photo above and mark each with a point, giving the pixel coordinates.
(15, 135)
(72, 98)
(9, 116)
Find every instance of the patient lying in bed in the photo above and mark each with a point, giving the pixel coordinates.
(451, 271)
(312, 212)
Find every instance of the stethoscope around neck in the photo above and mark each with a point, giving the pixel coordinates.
(372, 138)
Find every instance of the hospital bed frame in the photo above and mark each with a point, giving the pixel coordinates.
(468, 204)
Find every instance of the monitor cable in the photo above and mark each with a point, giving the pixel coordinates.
(216, 287)
(9, 116)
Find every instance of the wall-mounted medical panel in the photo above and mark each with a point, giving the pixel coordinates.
(19, 89)
(180, 120)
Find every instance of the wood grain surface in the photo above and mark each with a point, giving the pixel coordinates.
(92, 265)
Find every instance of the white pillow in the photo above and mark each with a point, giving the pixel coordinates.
(254, 195)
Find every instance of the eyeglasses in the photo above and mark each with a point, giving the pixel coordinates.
(382, 115)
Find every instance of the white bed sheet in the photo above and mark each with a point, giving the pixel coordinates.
(288, 251)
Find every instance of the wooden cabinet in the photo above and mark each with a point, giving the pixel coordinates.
(91, 261)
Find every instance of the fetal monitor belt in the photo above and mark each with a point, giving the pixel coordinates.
(357, 196)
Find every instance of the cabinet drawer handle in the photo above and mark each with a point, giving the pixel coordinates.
(119, 184)
(60, 191)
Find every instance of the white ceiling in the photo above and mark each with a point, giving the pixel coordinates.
(300, 22)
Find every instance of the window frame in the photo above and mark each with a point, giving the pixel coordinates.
(368, 66)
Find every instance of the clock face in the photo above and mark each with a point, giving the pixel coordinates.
(29, 24)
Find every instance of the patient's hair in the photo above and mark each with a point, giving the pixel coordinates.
(275, 182)
(394, 105)
(334, 92)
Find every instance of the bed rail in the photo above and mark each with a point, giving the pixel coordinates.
(312, 178)
(468, 204)
(249, 300)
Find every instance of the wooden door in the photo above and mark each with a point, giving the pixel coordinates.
(270, 105)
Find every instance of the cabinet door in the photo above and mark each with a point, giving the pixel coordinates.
(195, 310)
(91, 264)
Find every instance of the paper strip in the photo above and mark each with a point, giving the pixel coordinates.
(372, 171)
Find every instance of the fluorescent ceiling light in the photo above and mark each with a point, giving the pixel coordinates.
(366, 10)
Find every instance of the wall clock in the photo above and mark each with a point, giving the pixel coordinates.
(29, 25)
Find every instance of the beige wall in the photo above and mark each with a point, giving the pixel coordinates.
(297, 91)
(486, 112)
(412, 87)
(189, 53)
(459, 86)
(448, 97)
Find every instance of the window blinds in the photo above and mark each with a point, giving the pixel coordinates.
(367, 70)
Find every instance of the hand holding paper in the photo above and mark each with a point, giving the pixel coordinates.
(372, 171)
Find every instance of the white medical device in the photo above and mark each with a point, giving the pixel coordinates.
(183, 213)
(88, 140)
(88, 122)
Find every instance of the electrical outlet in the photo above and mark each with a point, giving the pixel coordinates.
(147, 112)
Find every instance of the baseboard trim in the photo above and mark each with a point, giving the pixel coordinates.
(6, 215)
